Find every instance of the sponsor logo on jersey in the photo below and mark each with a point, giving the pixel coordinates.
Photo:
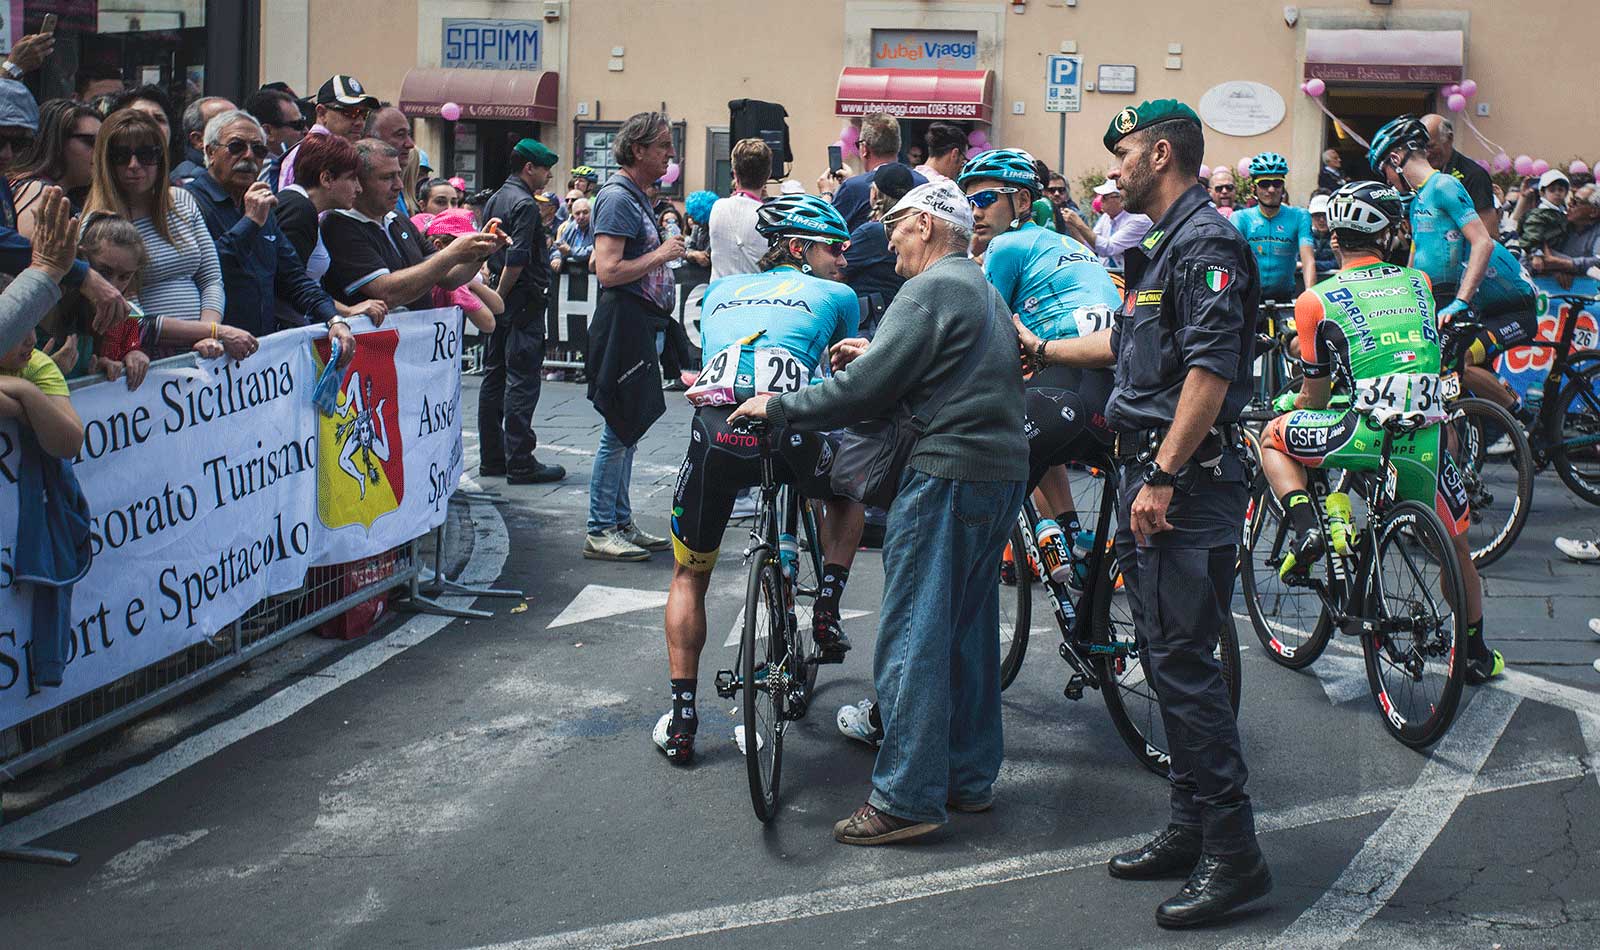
(742, 439)
(1146, 298)
(1370, 273)
(1068, 414)
(1218, 278)
(825, 458)
(1031, 304)
(1307, 438)
(1406, 356)
(1382, 292)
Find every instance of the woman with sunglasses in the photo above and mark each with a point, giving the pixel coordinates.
(62, 154)
(181, 280)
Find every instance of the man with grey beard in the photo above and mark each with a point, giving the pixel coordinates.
(259, 265)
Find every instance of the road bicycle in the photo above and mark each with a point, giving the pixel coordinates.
(777, 670)
(1397, 588)
(1098, 640)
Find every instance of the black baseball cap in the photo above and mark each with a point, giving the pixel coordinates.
(893, 180)
(345, 91)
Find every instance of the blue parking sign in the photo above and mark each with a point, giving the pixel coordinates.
(1063, 90)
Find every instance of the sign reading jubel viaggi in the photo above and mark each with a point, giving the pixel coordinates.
(492, 44)
(925, 49)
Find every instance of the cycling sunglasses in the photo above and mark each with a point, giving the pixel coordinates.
(1269, 183)
(834, 246)
(238, 147)
(987, 197)
(119, 155)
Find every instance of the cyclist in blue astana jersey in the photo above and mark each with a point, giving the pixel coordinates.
(1471, 273)
(1279, 233)
(760, 333)
(1059, 290)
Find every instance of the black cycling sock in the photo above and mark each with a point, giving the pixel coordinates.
(1302, 517)
(1067, 518)
(830, 590)
(1476, 648)
(684, 719)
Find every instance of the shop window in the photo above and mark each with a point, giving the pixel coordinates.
(719, 160)
(594, 149)
(99, 50)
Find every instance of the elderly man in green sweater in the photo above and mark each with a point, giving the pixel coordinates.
(937, 663)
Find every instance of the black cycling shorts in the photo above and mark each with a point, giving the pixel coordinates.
(720, 463)
(1506, 326)
(1066, 418)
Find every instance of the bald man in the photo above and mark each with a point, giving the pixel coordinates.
(1332, 175)
(1223, 187)
(1442, 155)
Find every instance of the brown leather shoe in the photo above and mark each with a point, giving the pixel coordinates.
(867, 826)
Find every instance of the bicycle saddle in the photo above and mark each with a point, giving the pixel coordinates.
(1398, 422)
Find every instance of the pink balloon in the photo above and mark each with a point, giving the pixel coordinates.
(1305, 87)
(1315, 88)
(1205, 171)
(1456, 102)
(1225, 211)
(1469, 87)
(1540, 166)
(1243, 167)
(673, 171)
(1452, 89)
(1523, 165)
(1500, 163)
(1096, 204)
(977, 138)
(458, 183)
(450, 112)
(1483, 164)
(849, 136)
(1578, 167)
(979, 150)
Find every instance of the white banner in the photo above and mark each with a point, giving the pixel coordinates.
(212, 488)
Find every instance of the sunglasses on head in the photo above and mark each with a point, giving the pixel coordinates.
(987, 197)
(238, 147)
(119, 155)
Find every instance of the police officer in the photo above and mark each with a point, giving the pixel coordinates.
(1181, 351)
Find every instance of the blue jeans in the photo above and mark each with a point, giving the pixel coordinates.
(608, 483)
(937, 666)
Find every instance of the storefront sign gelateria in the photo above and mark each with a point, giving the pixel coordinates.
(1242, 108)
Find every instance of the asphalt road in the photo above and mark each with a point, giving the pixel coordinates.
(492, 783)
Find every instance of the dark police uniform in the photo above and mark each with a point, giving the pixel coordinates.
(513, 356)
(1192, 293)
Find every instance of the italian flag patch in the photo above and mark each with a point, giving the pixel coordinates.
(1218, 279)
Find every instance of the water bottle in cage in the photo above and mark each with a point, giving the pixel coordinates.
(789, 563)
(1339, 531)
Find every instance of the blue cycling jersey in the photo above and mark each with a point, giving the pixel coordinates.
(1276, 242)
(1440, 209)
(798, 313)
(1047, 277)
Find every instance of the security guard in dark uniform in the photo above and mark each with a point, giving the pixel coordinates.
(1182, 349)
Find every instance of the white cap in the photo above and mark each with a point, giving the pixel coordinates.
(1107, 187)
(1551, 177)
(790, 186)
(942, 199)
(1319, 204)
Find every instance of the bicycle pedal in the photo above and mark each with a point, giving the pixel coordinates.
(728, 684)
(1075, 684)
(821, 660)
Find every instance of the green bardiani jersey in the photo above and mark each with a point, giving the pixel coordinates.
(1368, 322)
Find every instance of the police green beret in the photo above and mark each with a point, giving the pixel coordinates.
(1144, 115)
(532, 150)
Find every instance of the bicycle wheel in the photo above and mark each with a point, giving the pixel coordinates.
(1499, 486)
(1016, 606)
(1290, 621)
(1123, 667)
(1416, 658)
(808, 579)
(764, 667)
(1574, 433)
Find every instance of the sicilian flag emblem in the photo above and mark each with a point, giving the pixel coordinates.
(1218, 279)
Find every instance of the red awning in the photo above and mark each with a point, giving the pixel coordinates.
(1411, 56)
(481, 93)
(916, 93)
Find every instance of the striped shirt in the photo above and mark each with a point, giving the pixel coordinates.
(180, 279)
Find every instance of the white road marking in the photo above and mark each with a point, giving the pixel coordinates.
(802, 614)
(1392, 851)
(869, 894)
(491, 545)
(1589, 725)
(126, 866)
(648, 468)
(597, 601)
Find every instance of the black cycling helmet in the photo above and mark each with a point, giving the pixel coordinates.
(803, 216)
(1406, 132)
(1365, 208)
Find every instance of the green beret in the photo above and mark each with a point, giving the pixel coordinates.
(532, 150)
(1146, 114)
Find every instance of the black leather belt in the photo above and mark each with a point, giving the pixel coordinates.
(1140, 445)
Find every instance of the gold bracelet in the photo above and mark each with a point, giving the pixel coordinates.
(215, 331)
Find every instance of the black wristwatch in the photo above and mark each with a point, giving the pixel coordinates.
(1155, 477)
